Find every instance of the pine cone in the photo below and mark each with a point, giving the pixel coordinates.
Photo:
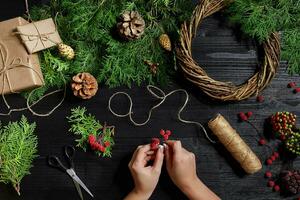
(84, 85)
(290, 181)
(165, 42)
(131, 25)
(66, 51)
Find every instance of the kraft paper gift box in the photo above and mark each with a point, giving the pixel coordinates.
(39, 35)
(18, 70)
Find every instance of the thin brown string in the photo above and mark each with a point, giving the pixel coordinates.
(17, 63)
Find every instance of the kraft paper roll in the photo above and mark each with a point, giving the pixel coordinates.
(235, 144)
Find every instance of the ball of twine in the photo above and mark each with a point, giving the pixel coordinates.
(224, 91)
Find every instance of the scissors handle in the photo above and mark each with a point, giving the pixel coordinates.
(70, 154)
(54, 161)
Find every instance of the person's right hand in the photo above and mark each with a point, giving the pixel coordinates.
(181, 165)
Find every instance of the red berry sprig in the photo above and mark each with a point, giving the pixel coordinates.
(95, 145)
(155, 142)
(166, 134)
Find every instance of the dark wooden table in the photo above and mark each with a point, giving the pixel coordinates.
(226, 56)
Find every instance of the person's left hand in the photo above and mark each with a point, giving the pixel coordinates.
(145, 177)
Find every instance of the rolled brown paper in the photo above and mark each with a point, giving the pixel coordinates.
(235, 144)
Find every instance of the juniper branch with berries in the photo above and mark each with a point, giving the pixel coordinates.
(99, 138)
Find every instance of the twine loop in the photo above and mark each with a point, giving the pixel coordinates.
(162, 96)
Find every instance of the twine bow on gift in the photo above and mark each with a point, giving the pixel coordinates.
(17, 63)
(10, 65)
(38, 37)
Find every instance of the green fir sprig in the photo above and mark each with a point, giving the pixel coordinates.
(89, 26)
(18, 148)
(85, 126)
(259, 18)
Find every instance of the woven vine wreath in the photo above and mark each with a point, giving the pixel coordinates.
(225, 91)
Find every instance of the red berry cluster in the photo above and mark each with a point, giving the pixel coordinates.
(271, 181)
(293, 85)
(283, 123)
(155, 142)
(245, 116)
(98, 145)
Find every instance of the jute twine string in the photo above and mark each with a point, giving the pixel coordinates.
(162, 96)
(235, 144)
(18, 63)
(224, 91)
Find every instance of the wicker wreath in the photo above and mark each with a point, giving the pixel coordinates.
(225, 91)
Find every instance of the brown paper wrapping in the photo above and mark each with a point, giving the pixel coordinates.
(235, 144)
(18, 70)
(39, 35)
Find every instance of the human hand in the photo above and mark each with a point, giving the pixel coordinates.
(145, 177)
(181, 166)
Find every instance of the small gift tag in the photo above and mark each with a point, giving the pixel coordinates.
(39, 35)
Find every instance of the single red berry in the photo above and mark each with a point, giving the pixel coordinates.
(269, 162)
(249, 114)
(268, 174)
(297, 90)
(107, 144)
(92, 139)
(154, 143)
(260, 99)
(271, 183)
(101, 148)
(276, 188)
(162, 132)
(282, 137)
(262, 141)
(273, 158)
(168, 132)
(242, 116)
(166, 137)
(291, 85)
(276, 154)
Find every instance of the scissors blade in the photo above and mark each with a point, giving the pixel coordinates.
(78, 189)
(73, 175)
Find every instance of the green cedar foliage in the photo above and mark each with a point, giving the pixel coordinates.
(259, 18)
(89, 26)
(84, 125)
(18, 148)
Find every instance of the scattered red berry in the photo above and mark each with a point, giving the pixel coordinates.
(262, 141)
(296, 90)
(242, 116)
(273, 158)
(269, 162)
(271, 183)
(291, 85)
(268, 174)
(162, 132)
(276, 154)
(249, 114)
(154, 143)
(260, 99)
(276, 188)
(107, 144)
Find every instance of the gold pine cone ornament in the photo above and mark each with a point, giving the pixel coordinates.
(84, 85)
(66, 51)
(165, 42)
(131, 25)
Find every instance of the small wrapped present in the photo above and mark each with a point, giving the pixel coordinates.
(39, 35)
(18, 70)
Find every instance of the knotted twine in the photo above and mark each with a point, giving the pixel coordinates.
(162, 96)
(235, 144)
(18, 63)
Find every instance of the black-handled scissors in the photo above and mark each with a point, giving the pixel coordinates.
(55, 162)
